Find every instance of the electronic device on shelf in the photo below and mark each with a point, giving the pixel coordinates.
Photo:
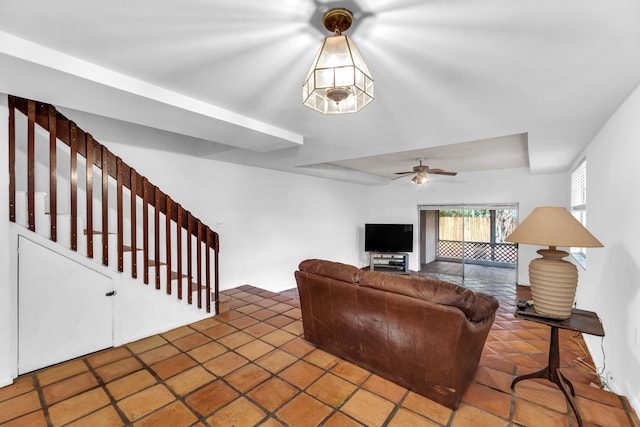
(390, 262)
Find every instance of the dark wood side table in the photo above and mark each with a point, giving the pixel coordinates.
(583, 321)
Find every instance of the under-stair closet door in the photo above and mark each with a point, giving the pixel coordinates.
(64, 310)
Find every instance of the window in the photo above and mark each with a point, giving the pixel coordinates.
(579, 204)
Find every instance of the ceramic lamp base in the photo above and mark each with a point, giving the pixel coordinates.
(553, 284)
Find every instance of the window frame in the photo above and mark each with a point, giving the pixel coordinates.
(579, 205)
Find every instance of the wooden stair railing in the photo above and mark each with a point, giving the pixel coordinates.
(83, 144)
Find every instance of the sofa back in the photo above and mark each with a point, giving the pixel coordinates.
(476, 306)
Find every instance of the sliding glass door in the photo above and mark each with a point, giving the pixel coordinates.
(466, 242)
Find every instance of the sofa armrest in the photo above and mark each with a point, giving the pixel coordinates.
(484, 308)
(334, 270)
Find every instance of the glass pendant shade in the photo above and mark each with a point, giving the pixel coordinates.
(339, 80)
(421, 178)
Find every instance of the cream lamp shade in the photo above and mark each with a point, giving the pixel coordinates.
(553, 280)
(553, 226)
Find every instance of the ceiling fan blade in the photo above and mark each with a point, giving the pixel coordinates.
(401, 176)
(424, 169)
(441, 172)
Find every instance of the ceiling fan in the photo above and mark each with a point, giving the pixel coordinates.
(422, 173)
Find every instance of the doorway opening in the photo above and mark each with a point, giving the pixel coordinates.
(466, 242)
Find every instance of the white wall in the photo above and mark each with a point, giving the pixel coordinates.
(610, 285)
(268, 221)
(398, 202)
(7, 298)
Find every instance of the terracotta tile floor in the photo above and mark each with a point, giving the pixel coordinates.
(249, 366)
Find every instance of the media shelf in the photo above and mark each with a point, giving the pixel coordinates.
(389, 262)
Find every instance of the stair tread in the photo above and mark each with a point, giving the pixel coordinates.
(194, 285)
(98, 232)
(174, 275)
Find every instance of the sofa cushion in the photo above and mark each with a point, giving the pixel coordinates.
(477, 307)
(334, 270)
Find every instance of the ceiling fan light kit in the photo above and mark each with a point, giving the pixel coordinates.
(421, 178)
(339, 80)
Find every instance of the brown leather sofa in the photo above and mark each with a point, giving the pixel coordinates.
(424, 334)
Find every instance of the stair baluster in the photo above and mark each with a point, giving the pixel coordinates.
(156, 235)
(73, 173)
(145, 228)
(168, 243)
(12, 159)
(90, 160)
(105, 205)
(119, 208)
(179, 251)
(134, 220)
(53, 174)
(31, 159)
(199, 262)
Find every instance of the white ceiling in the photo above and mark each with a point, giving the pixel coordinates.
(466, 84)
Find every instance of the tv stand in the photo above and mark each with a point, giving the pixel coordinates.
(389, 262)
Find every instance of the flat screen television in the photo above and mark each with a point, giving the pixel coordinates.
(388, 237)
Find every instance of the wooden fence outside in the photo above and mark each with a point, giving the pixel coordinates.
(476, 229)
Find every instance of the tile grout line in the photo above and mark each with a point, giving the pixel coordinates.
(301, 391)
(103, 386)
(396, 408)
(245, 395)
(159, 380)
(336, 409)
(43, 405)
(512, 408)
(272, 414)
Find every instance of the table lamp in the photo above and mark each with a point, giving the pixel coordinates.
(553, 280)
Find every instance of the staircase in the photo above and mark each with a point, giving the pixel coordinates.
(69, 188)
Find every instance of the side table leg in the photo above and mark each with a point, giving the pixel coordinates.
(542, 373)
(549, 372)
(553, 374)
(563, 387)
(566, 381)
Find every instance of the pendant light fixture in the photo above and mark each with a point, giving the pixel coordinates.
(339, 80)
